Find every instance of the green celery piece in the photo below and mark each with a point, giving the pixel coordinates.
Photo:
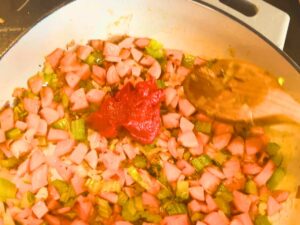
(200, 162)
(43, 141)
(62, 124)
(182, 190)
(164, 193)
(188, 61)
(104, 209)
(277, 159)
(9, 163)
(160, 84)
(224, 193)
(13, 133)
(93, 185)
(129, 211)
(19, 112)
(78, 130)
(66, 192)
(155, 49)
(223, 205)
(262, 220)
(220, 157)
(154, 169)
(95, 58)
(65, 100)
(276, 178)
(8, 189)
(132, 171)
(272, 148)
(250, 187)
(203, 127)
(138, 202)
(150, 217)
(140, 161)
(122, 198)
(186, 155)
(196, 217)
(111, 186)
(27, 200)
(175, 208)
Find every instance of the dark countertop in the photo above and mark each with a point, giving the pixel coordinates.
(18, 19)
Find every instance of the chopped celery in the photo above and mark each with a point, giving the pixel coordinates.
(111, 186)
(43, 141)
(62, 124)
(13, 133)
(150, 217)
(86, 84)
(9, 163)
(65, 100)
(137, 177)
(250, 187)
(19, 112)
(140, 161)
(78, 129)
(122, 198)
(262, 207)
(129, 211)
(197, 216)
(164, 193)
(7, 189)
(70, 215)
(224, 193)
(27, 200)
(138, 203)
(277, 159)
(272, 148)
(93, 185)
(276, 177)
(154, 169)
(104, 209)
(57, 97)
(66, 192)
(200, 162)
(155, 49)
(182, 190)
(223, 205)
(202, 126)
(95, 58)
(188, 60)
(186, 155)
(160, 84)
(174, 208)
(220, 157)
(52, 80)
(262, 220)
(48, 68)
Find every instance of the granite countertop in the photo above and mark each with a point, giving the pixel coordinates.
(16, 16)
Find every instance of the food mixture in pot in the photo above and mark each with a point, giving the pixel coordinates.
(105, 135)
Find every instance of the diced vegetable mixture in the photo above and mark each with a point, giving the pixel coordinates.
(104, 135)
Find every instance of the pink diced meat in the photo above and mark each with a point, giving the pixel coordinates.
(155, 70)
(92, 158)
(42, 128)
(231, 167)
(197, 193)
(37, 159)
(54, 57)
(21, 125)
(251, 168)
(2, 136)
(39, 209)
(216, 218)
(209, 182)
(261, 178)
(142, 42)
(241, 201)
(95, 96)
(237, 146)
(186, 108)
(111, 49)
(171, 120)
(149, 200)
(35, 84)
(273, 206)
(185, 125)
(39, 178)
(123, 68)
(181, 219)
(78, 99)
(171, 171)
(136, 54)
(78, 184)
(72, 79)
(253, 145)
(188, 139)
(46, 96)
(112, 76)
(64, 147)
(7, 119)
(78, 153)
(221, 141)
(57, 135)
(170, 94)
(126, 42)
(83, 51)
(50, 115)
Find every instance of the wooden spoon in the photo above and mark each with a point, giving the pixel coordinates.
(238, 91)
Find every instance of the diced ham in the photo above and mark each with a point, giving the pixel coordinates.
(127, 42)
(97, 44)
(222, 128)
(78, 184)
(216, 218)
(54, 57)
(241, 201)
(237, 146)
(149, 200)
(2, 136)
(7, 119)
(33, 121)
(196, 206)
(111, 49)
(84, 71)
(64, 147)
(142, 42)
(64, 170)
(185, 124)
(221, 141)
(69, 59)
(231, 167)
(199, 149)
(72, 79)
(273, 206)
(253, 145)
(19, 147)
(78, 98)
(31, 105)
(175, 55)
(113, 59)
(200, 223)
(83, 51)
(147, 61)
(98, 74)
(209, 182)
(155, 70)
(79, 153)
(39, 209)
(181, 219)
(186, 108)
(37, 159)
(109, 196)
(46, 96)
(188, 139)
(172, 145)
(183, 71)
(92, 158)
(281, 196)
(42, 128)
(171, 120)
(97, 142)
(112, 76)
(20, 125)
(211, 204)
(123, 68)
(126, 223)
(78, 222)
(124, 54)
(136, 54)
(50, 115)
(236, 222)
(130, 151)
(57, 135)
(244, 218)
(197, 193)
(136, 70)
(39, 178)
(215, 171)
(170, 94)
(185, 167)
(35, 84)
(175, 102)
(251, 168)
(261, 178)
(23, 168)
(84, 208)
(171, 171)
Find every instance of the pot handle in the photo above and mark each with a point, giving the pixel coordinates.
(266, 19)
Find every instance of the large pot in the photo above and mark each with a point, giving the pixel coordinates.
(195, 27)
